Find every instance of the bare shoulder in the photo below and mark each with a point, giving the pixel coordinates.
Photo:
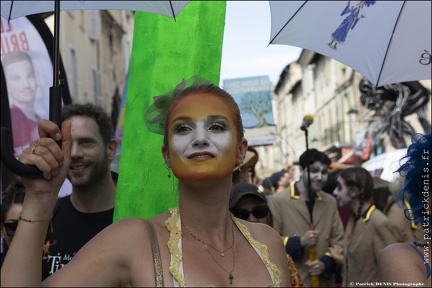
(268, 236)
(123, 236)
(400, 262)
(261, 232)
(136, 229)
(128, 228)
(394, 251)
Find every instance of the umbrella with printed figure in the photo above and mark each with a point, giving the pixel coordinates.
(385, 41)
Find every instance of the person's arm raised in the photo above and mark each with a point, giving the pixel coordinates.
(22, 265)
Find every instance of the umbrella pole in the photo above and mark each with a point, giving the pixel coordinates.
(56, 42)
(55, 91)
(313, 249)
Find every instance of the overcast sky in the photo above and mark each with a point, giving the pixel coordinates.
(247, 34)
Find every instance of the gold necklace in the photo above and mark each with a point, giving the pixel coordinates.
(222, 253)
(230, 276)
(206, 245)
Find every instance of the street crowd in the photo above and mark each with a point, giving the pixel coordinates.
(315, 223)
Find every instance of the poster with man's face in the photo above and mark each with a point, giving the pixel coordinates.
(28, 73)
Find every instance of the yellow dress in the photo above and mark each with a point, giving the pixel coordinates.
(173, 224)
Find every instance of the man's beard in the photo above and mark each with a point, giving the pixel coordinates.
(98, 172)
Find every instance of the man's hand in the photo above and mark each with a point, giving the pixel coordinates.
(310, 238)
(316, 267)
(337, 253)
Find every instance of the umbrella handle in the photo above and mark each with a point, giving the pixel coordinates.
(8, 158)
(6, 153)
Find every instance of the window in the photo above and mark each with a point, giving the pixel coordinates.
(96, 86)
(94, 27)
(73, 79)
(82, 22)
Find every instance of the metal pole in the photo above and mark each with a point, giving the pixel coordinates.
(313, 249)
(55, 91)
(56, 45)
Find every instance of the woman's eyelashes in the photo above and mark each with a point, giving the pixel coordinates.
(219, 126)
(179, 128)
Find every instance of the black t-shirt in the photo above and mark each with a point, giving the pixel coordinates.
(71, 230)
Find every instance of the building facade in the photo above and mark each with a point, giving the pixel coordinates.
(95, 47)
(328, 90)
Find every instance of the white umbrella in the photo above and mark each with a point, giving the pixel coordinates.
(385, 41)
(15, 9)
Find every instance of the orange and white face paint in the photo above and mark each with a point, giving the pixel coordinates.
(202, 140)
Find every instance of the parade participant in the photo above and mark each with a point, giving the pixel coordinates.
(203, 144)
(291, 218)
(368, 230)
(409, 264)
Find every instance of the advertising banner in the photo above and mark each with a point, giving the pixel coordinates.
(27, 74)
(253, 95)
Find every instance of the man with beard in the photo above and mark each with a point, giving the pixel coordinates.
(90, 207)
(291, 210)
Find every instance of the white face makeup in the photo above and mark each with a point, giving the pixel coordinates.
(318, 175)
(202, 138)
(341, 193)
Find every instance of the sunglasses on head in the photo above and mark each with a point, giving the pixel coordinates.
(257, 212)
(11, 228)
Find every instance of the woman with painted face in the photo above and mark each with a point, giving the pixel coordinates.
(199, 243)
(368, 230)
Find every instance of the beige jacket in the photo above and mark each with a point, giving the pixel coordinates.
(372, 232)
(291, 218)
(405, 228)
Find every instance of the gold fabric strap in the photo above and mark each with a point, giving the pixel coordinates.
(157, 261)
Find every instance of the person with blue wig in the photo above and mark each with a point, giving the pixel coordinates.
(401, 263)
